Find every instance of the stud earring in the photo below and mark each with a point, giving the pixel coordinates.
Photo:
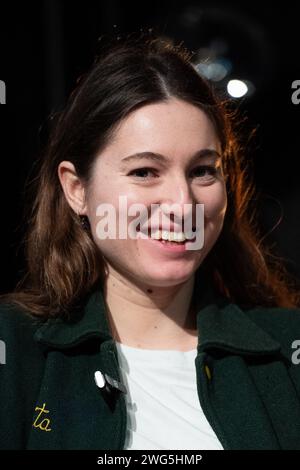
(84, 221)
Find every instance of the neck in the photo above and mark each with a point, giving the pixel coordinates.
(152, 317)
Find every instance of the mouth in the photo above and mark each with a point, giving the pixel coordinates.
(169, 238)
(170, 246)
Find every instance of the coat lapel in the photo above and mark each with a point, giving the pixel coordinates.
(80, 414)
(249, 396)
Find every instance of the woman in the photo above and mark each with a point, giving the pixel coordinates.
(148, 341)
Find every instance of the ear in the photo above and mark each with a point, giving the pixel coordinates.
(73, 187)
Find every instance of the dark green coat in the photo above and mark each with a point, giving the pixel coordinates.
(248, 386)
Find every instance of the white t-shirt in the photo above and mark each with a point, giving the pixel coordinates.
(164, 411)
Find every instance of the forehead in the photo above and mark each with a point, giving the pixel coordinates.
(173, 127)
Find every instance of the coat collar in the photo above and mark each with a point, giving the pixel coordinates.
(229, 328)
(89, 322)
(221, 325)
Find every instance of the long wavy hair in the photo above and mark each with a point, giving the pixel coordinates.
(63, 263)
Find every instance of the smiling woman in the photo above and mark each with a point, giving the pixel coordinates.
(142, 342)
(176, 129)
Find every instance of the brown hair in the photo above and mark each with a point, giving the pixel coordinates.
(63, 262)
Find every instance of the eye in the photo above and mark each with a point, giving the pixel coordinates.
(205, 172)
(141, 173)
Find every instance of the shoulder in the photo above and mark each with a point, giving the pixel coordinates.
(22, 364)
(283, 324)
(13, 318)
(17, 330)
(275, 317)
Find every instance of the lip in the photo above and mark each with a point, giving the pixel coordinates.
(170, 248)
(170, 229)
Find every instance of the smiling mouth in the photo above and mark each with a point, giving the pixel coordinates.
(168, 237)
(168, 242)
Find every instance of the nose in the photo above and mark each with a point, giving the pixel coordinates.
(177, 195)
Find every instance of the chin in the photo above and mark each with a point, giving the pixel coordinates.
(169, 279)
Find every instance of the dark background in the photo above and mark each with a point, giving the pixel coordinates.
(46, 45)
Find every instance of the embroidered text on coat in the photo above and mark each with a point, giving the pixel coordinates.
(45, 422)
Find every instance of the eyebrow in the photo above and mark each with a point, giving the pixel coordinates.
(157, 157)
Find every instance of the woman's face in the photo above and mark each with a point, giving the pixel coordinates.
(177, 131)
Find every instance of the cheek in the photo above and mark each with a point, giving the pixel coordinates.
(215, 203)
(115, 214)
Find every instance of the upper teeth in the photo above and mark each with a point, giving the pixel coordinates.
(169, 236)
